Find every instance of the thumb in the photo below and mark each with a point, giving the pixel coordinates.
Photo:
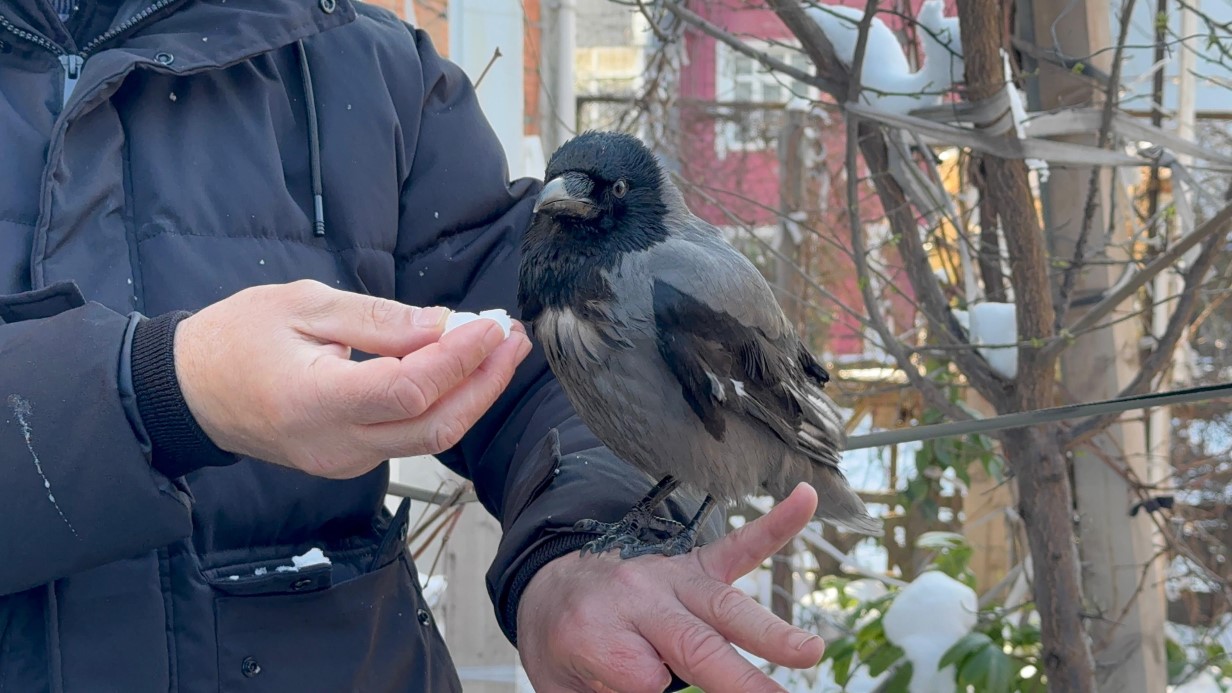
(375, 325)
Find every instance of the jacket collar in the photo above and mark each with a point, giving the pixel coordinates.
(196, 34)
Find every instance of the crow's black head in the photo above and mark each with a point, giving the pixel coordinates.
(604, 182)
(604, 197)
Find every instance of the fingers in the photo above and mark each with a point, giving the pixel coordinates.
(375, 325)
(453, 414)
(751, 626)
(744, 549)
(388, 389)
(704, 658)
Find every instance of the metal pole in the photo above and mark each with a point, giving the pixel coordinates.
(958, 428)
(1032, 418)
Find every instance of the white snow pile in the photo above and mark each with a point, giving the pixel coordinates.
(457, 319)
(1204, 682)
(993, 323)
(890, 83)
(433, 589)
(926, 619)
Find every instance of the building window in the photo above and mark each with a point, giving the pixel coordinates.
(749, 98)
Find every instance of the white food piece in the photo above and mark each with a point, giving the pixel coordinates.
(309, 558)
(460, 318)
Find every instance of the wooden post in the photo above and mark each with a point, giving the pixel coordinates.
(985, 523)
(1121, 574)
(787, 287)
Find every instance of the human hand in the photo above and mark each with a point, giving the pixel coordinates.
(267, 373)
(600, 623)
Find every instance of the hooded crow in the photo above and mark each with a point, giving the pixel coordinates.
(672, 347)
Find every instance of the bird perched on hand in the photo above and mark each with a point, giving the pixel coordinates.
(672, 347)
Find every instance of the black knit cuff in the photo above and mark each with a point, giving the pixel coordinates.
(545, 553)
(178, 443)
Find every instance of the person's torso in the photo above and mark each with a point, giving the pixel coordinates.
(176, 172)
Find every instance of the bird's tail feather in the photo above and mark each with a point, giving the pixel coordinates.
(838, 504)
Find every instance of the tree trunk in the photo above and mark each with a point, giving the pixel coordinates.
(1045, 494)
(1046, 505)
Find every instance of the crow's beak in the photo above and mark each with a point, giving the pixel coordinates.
(567, 195)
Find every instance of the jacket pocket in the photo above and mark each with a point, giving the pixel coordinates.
(358, 624)
(370, 633)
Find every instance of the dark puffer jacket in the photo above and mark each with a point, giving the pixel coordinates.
(166, 162)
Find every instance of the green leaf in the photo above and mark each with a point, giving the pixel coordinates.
(1177, 662)
(941, 540)
(841, 652)
(870, 639)
(994, 467)
(945, 452)
(883, 658)
(839, 649)
(1025, 636)
(900, 679)
(965, 647)
(1001, 671)
(963, 472)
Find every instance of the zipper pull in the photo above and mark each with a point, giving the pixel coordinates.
(72, 65)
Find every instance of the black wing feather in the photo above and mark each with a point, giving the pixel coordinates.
(696, 341)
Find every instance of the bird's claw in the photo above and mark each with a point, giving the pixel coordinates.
(675, 545)
(608, 542)
(632, 531)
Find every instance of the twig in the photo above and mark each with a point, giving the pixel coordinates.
(1111, 98)
(495, 54)
(930, 391)
(767, 61)
(1161, 356)
(1129, 284)
(818, 47)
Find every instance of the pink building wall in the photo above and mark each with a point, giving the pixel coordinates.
(745, 184)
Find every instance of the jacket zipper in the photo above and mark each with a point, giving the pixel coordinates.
(74, 62)
(72, 70)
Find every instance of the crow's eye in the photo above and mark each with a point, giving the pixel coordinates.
(620, 188)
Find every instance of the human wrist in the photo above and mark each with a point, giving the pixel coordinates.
(179, 444)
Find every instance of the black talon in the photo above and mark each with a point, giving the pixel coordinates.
(628, 533)
(680, 543)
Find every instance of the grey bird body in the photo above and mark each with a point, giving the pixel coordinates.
(673, 350)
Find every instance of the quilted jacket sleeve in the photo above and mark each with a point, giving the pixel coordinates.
(77, 488)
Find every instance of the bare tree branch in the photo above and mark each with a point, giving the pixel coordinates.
(767, 61)
(1134, 280)
(1159, 358)
(819, 48)
(928, 389)
(1070, 274)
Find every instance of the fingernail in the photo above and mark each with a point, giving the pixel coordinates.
(430, 317)
(523, 348)
(803, 640)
